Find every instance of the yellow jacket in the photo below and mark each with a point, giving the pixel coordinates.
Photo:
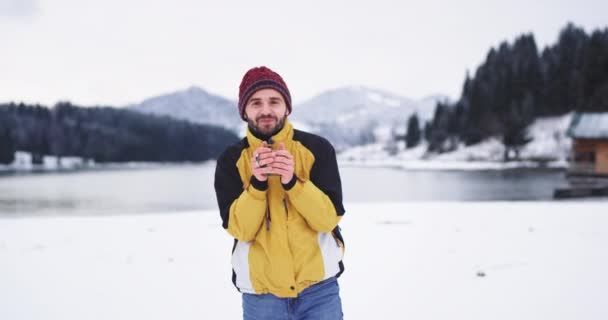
(286, 236)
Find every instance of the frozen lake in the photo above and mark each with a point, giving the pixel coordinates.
(190, 187)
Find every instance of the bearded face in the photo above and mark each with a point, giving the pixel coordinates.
(266, 111)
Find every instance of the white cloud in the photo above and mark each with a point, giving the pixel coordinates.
(18, 8)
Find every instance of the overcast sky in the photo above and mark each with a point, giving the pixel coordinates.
(115, 52)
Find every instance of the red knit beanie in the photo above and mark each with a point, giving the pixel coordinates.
(259, 78)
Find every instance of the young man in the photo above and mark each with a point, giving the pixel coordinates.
(280, 197)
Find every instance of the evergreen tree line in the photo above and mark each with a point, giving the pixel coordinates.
(516, 84)
(105, 134)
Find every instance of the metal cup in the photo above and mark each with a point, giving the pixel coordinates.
(270, 143)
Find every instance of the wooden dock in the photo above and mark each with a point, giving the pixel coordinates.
(582, 186)
(578, 192)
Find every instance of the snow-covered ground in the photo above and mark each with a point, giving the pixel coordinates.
(468, 260)
(549, 148)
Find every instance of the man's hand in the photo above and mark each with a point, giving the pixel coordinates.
(262, 161)
(283, 164)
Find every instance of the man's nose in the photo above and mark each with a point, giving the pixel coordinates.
(265, 108)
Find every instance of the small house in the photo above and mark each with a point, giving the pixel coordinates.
(589, 155)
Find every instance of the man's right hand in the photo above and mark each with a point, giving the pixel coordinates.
(261, 162)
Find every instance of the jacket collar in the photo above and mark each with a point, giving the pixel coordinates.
(285, 134)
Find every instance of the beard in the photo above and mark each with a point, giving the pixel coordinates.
(264, 129)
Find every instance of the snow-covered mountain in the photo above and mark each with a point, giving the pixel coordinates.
(355, 104)
(196, 105)
(348, 116)
(353, 116)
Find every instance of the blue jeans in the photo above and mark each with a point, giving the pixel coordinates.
(320, 301)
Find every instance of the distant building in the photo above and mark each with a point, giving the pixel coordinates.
(589, 155)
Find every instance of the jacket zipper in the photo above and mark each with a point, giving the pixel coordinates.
(267, 218)
(268, 213)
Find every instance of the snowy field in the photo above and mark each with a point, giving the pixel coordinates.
(466, 260)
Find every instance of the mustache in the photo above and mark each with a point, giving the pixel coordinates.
(264, 117)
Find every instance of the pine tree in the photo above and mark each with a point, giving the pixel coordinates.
(563, 89)
(595, 71)
(413, 135)
(7, 145)
(439, 137)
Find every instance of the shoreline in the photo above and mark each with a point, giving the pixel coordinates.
(444, 165)
(11, 170)
(413, 165)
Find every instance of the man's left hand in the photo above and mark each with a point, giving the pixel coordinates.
(283, 164)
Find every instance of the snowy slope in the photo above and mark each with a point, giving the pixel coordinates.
(352, 116)
(550, 147)
(196, 105)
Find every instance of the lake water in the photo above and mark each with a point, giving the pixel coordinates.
(190, 187)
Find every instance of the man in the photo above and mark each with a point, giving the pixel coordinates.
(280, 197)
